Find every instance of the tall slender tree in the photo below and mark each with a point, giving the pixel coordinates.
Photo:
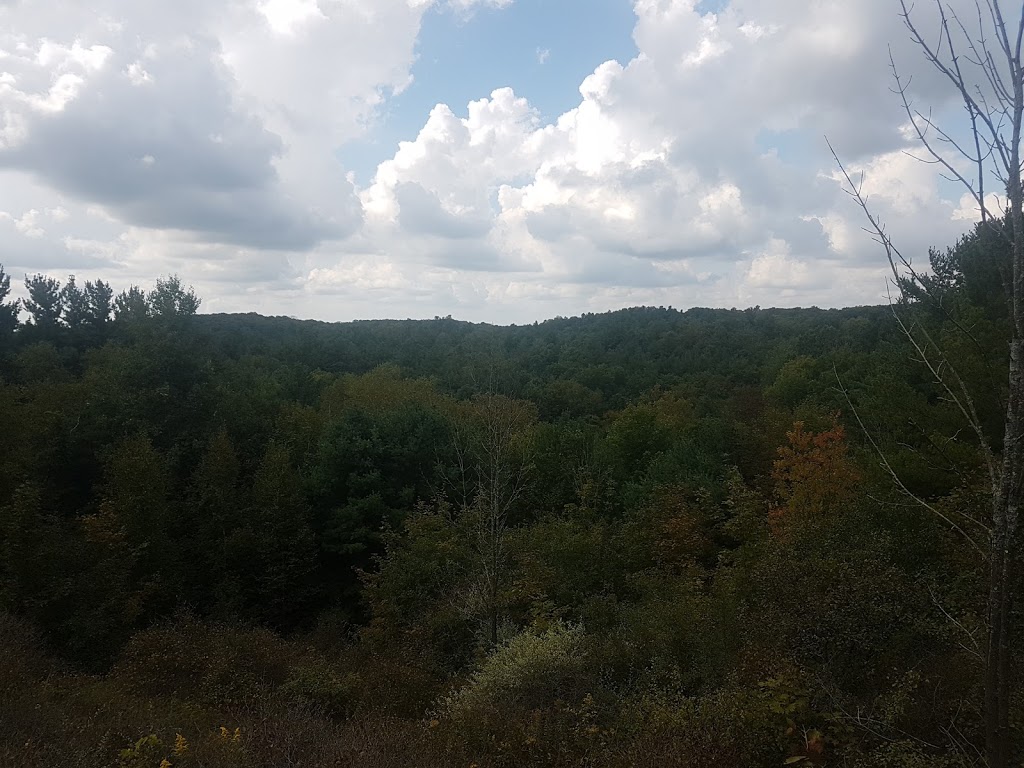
(75, 302)
(100, 298)
(8, 309)
(981, 59)
(492, 454)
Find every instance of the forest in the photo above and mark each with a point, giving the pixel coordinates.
(642, 538)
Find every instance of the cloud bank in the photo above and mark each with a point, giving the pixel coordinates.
(202, 138)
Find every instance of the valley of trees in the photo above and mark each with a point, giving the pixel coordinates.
(643, 538)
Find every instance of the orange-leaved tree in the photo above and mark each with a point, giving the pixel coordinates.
(813, 476)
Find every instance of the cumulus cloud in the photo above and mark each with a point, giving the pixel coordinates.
(659, 183)
(182, 117)
(203, 138)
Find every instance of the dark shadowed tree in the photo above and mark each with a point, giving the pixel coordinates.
(75, 304)
(170, 298)
(131, 305)
(45, 301)
(270, 559)
(100, 297)
(8, 309)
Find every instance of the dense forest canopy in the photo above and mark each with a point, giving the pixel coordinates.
(648, 537)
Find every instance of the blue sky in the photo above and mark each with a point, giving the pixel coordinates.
(463, 57)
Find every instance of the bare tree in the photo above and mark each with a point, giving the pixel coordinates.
(491, 447)
(980, 57)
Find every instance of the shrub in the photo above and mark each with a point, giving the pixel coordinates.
(324, 689)
(530, 671)
(205, 662)
(534, 701)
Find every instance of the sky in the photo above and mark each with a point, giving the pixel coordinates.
(504, 161)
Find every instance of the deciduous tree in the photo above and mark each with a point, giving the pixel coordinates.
(982, 60)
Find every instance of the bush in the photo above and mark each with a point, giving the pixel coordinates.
(533, 701)
(324, 689)
(532, 670)
(207, 663)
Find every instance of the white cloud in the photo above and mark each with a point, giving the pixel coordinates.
(660, 165)
(202, 138)
(284, 16)
(969, 210)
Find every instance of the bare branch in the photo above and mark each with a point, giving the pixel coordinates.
(975, 649)
(951, 74)
(887, 466)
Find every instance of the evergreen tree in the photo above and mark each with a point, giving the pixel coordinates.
(45, 301)
(75, 303)
(100, 298)
(131, 305)
(215, 505)
(170, 298)
(8, 309)
(272, 558)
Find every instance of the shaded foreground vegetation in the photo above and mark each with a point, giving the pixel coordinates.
(642, 538)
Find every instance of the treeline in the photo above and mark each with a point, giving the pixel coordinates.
(642, 538)
(51, 306)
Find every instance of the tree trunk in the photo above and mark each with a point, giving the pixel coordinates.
(1002, 571)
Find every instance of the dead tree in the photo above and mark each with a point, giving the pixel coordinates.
(491, 444)
(980, 57)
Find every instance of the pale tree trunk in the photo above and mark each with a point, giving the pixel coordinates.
(981, 59)
(493, 463)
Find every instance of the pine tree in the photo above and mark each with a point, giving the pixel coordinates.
(131, 305)
(100, 298)
(75, 303)
(45, 301)
(8, 309)
(170, 299)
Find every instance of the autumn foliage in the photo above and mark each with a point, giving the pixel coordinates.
(814, 476)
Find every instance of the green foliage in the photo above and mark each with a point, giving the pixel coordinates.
(131, 305)
(323, 688)
(418, 595)
(29, 547)
(45, 302)
(75, 304)
(269, 559)
(100, 297)
(641, 538)
(531, 669)
(171, 299)
(8, 309)
(531, 701)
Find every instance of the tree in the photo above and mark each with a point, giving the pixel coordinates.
(100, 297)
(133, 562)
(45, 301)
(8, 310)
(214, 501)
(813, 475)
(131, 305)
(985, 67)
(373, 469)
(492, 452)
(271, 559)
(170, 299)
(75, 302)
